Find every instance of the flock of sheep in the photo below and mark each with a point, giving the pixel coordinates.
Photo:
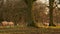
(5, 23)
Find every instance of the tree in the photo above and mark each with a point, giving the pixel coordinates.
(59, 1)
(51, 3)
(1, 12)
(30, 20)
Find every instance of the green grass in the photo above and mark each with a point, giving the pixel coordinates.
(29, 30)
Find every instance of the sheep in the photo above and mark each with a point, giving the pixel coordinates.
(4, 23)
(46, 24)
(10, 23)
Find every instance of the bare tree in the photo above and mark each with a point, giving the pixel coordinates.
(51, 3)
(30, 20)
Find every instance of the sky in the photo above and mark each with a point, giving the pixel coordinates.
(47, 2)
(43, 1)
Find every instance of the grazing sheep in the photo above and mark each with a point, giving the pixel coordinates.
(4, 23)
(10, 23)
(46, 24)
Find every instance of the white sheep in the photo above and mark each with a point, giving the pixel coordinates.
(10, 23)
(46, 24)
(4, 23)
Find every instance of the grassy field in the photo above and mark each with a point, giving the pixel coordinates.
(29, 30)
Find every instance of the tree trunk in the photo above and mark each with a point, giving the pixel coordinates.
(51, 3)
(30, 19)
(1, 10)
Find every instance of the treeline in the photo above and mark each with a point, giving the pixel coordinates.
(13, 10)
(19, 12)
